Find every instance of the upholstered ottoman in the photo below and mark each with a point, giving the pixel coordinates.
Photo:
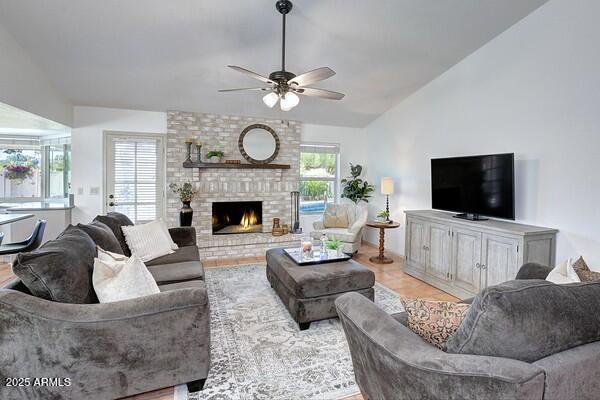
(309, 291)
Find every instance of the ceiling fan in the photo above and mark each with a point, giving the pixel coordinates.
(284, 86)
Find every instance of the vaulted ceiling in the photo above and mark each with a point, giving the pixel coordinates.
(172, 54)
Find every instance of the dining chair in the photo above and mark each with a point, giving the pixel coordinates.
(31, 243)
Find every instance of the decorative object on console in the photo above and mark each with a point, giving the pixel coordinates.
(215, 156)
(277, 230)
(354, 188)
(295, 211)
(186, 193)
(283, 85)
(387, 189)
(286, 229)
(232, 162)
(259, 144)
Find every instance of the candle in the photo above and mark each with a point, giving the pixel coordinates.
(306, 246)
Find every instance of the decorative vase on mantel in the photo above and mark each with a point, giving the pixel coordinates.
(185, 214)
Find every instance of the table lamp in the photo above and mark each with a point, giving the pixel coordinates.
(387, 188)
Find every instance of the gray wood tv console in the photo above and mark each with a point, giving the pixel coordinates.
(462, 257)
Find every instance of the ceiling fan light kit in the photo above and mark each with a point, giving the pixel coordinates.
(284, 85)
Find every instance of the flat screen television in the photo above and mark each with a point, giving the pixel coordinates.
(474, 186)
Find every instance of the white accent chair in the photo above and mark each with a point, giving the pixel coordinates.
(351, 235)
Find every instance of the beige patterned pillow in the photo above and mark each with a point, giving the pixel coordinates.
(584, 272)
(434, 321)
(335, 217)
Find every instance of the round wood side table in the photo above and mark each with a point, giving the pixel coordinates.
(381, 258)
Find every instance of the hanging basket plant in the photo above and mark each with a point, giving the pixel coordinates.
(18, 171)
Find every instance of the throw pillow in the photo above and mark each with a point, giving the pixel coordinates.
(122, 218)
(584, 272)
(117, 277)
(61, 269)
(434, 321)
(563, 273)
(149, 241)
(102, 235)
(115, 223)
(529, 319)
(335, 217)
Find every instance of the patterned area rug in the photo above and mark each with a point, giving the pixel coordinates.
(257, 350)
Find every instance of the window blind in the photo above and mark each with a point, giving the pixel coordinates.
(135, 178)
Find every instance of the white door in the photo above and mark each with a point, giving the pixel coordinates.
(438, 250)
(134, 181)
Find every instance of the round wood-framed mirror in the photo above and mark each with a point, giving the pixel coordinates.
(259, 144)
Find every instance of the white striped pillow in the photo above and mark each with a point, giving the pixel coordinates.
(149, 241)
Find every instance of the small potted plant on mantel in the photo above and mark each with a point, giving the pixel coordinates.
(215, 156)
(186, 193)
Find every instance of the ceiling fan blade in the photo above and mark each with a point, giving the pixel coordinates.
(235, 90)
(251, 74)
(325, 94)
(313, 76)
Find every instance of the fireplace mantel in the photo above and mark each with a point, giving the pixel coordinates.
(201, 165)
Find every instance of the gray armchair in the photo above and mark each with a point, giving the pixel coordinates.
(392, 362)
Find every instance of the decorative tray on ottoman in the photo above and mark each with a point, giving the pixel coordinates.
(318, 257)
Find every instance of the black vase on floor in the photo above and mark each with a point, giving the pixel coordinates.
(185, 214)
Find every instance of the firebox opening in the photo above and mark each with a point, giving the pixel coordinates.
(236, 217)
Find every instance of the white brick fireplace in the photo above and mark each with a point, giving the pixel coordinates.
(270, 186)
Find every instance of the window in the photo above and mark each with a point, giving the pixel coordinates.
(34, 167)
(319, 176)
(58, 170)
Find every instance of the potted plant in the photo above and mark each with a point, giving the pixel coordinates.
(354, 188)
(186, 193)
(215, 156)
(19, 167)
(383, 216)
(334, 247)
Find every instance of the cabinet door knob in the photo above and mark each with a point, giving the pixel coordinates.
(477, 265)
(483, 266)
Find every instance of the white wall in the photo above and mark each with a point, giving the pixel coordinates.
(534, 91)
(353, 144)
(87, 145)
(25, 86)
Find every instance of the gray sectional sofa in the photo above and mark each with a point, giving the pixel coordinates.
(102, 351)
(524, 339)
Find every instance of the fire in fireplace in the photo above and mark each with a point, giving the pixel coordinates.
(236, 217)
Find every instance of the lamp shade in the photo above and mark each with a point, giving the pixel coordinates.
(387, 185)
